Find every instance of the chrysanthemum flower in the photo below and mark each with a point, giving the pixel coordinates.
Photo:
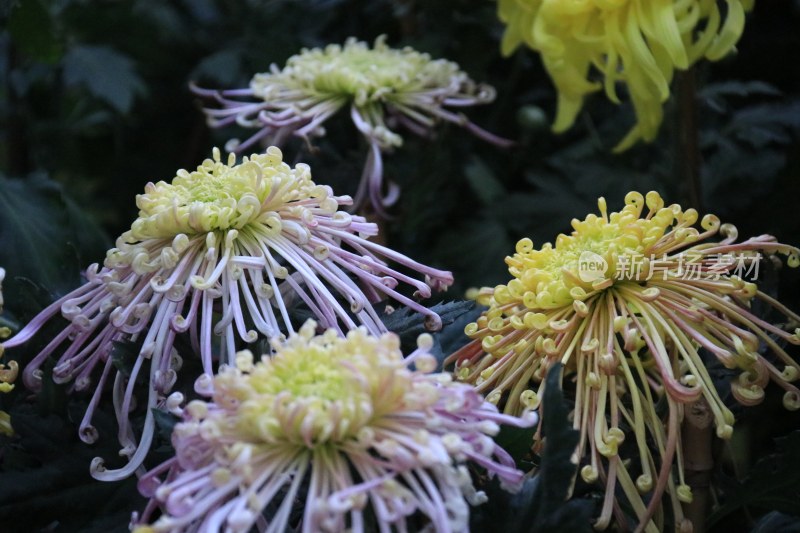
(627, 302)
(383, 87)
(219, 251)
(337, 425)
(639, 43)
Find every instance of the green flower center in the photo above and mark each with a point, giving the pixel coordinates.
(316, 390)
(221, 196)
(356, 72)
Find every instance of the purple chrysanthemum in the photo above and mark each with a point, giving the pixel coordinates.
(219, 251)
(384, 88)
(341, 426)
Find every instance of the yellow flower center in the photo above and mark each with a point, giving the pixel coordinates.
(315, 390)
(357, 72)
(222, 196)
(587, 259)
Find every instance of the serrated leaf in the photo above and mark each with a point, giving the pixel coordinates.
(405, 321)
(106, 73)
(409, 325)
(53, 485)
(716, 95)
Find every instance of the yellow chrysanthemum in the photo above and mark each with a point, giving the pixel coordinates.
(627, 302)
(639, 43)
(5, 424)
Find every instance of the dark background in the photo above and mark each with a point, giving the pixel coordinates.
(94, 103)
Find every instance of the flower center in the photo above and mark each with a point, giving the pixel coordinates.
(354, 71)
(587, 260)
(220, 196)
(316, 390)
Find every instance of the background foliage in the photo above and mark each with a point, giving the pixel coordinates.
(95, 104)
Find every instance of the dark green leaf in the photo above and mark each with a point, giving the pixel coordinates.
(124, 355)
(550, 511)
(517, 442)
(776, 522)
(165, 422)
(541, 505)
(483, 181)
(35, 235)
(773, 482)
(107, 74)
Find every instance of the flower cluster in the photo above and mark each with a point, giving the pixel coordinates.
(629, 336)
(639, 43)
(337, 425)
(384, 87)
(221, 251)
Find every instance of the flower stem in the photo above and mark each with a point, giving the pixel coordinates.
(687, 138)
(698, 460)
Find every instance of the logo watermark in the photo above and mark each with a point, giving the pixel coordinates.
(593, 267)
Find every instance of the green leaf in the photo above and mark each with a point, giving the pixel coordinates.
(45, 241)
(106, 73)
(35, 235)
(124, 355)
(773, 483)
(541, 505)
(550, 511)
(406, 322)
(223, 67)
(517, 442)
(46, 480)
(34, 31)
(775, 521)
(483, 181)
(165, 423)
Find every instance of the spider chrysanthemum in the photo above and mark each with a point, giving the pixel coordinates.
(629, 302)
(338, 433)
(637, 43)
(220, 252)
(383, 87)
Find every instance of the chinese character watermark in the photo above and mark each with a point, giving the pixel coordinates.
(687, 266)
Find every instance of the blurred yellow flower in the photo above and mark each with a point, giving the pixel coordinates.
(639, 43)
(5, 424)
(8, 375)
